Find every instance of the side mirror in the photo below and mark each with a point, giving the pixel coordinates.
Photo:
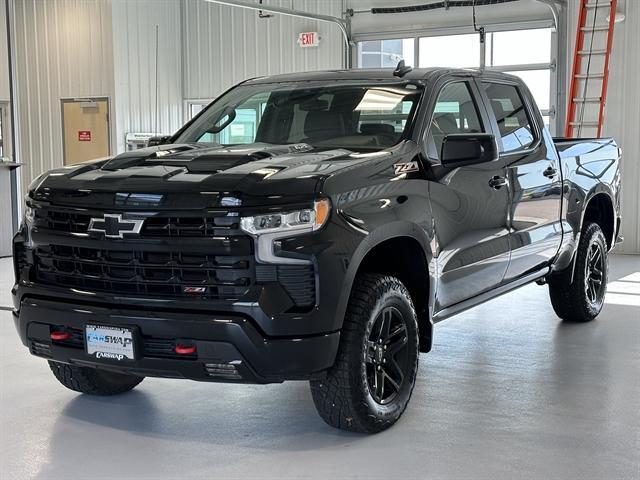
(462, 149)
(161, 140)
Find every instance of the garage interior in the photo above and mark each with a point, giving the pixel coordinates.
(508, 391)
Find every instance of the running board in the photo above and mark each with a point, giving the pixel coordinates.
(491, 294)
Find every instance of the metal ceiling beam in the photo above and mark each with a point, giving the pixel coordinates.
(341, 23)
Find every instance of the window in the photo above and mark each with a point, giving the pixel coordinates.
(506, 48)
(457, 51)
(512, 117)
(391, 120)
(385, 53)
(454, 112)
(539, 83)
(527, 53)
(238, 125)
(194, 107)
(505, 53)
(356, 116)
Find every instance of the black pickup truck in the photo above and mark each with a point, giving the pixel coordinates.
(312, 227)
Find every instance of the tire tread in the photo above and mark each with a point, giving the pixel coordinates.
(336, 396)
(568, 298)
(91, 381)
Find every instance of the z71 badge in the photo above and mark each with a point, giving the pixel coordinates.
(406, 167)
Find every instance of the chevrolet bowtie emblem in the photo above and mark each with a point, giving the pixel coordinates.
(113, 226)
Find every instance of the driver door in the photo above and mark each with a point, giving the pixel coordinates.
(470, 204)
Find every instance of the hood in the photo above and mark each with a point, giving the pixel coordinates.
(196, 176)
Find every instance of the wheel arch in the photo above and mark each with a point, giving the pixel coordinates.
(599, 208)
(402, 250)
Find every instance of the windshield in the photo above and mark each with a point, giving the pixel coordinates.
(346, 116)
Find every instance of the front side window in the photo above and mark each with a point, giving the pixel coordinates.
(512, 117)
(454, 112)
(354, 117)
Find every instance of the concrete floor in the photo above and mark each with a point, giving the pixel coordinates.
(508, 392)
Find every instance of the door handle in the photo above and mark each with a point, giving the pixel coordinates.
(550, 172)
(497, 182)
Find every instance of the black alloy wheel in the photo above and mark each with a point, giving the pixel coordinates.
(387, 359)
(594, 276)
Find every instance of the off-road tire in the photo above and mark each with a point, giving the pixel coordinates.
(571, 300)
(93, 381)
(344, 399)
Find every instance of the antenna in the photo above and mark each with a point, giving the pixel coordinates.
(401, 70)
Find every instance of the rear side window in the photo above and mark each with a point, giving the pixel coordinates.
(511, 114)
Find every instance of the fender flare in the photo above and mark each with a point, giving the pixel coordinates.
(390, 231)
(598, 189)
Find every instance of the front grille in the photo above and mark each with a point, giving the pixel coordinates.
(62, 221)
(139, 272)
(154, 226)
(176, 255)
(188, 226)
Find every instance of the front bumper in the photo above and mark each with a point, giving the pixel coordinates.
(229, 347)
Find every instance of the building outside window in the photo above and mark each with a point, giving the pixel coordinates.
(385, 53)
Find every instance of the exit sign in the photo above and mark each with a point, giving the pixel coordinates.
(308, 39)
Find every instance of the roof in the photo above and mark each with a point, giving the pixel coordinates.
(357, 74)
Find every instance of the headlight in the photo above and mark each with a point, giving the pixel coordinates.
(29, 215)
(300, 221)
(272, 226)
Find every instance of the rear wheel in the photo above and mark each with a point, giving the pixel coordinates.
(582, 299)
(93, 381)
(369, 387)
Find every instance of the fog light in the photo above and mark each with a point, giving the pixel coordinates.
(222, 370)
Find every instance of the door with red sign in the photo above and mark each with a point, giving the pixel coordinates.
(85, 129)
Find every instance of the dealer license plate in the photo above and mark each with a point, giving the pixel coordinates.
(109, 343)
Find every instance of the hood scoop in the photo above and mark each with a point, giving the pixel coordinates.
(198, 158)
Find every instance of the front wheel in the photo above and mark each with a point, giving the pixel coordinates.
(582, 299)
(369, 386)
(93, 381)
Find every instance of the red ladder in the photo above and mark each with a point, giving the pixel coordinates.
(590, 74)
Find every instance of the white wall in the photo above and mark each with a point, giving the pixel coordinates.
(63, 49)
(622, 119)
(225, 45)
(622, 114)
(134, 48)
(4, 59)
